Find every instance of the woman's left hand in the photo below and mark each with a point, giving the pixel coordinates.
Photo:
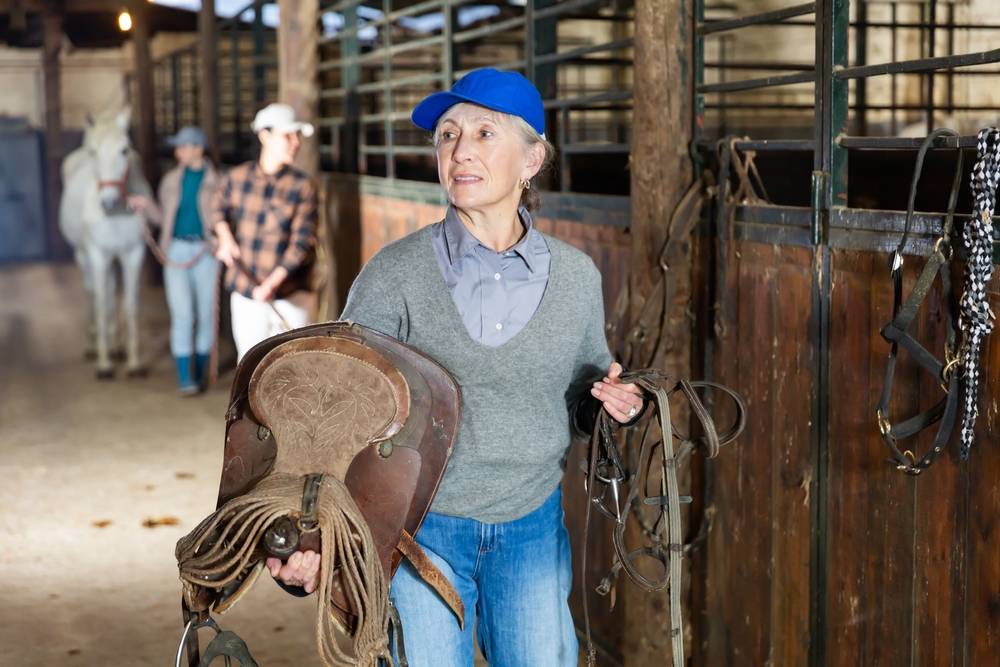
(622, 401)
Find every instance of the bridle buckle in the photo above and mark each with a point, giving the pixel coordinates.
(897, 262)
(884, 427)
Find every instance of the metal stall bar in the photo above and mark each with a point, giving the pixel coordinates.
(764, 18)
(756, 84)
(829, 190)
(536, 59)
(920, 65)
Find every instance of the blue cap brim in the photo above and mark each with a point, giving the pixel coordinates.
(426, 114)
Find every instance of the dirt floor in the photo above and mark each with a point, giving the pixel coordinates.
(85, 464)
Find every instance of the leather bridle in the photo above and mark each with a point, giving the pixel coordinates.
(633, 470)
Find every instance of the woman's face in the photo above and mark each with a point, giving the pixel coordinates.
(482, 157)
(189, 154)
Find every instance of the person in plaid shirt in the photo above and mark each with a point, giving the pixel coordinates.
(265, 215)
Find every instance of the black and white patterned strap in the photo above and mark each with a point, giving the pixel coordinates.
(975, 316)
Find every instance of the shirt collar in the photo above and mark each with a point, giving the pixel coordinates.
(460, 241)
(276, 175)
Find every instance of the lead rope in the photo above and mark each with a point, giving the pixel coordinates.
(975, 316)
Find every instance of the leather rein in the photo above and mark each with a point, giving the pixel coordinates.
(627, 475)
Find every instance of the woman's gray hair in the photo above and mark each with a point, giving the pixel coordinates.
(530, 198)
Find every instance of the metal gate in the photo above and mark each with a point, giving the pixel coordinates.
(22, 213)
(819, 552)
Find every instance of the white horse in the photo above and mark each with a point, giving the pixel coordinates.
(95, 219)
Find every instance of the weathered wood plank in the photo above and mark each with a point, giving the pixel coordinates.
(869, 605)
(758, 560)
(983, 556)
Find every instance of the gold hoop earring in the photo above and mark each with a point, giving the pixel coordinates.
(525, 184)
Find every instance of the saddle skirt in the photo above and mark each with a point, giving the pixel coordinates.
(337, 438)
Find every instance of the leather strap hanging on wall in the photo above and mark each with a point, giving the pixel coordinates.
(897, 331)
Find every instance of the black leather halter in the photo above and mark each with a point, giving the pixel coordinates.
(897, 332)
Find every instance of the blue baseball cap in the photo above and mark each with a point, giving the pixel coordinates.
(508, 92)
(188, 136)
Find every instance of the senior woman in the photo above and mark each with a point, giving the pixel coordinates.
(518, 318)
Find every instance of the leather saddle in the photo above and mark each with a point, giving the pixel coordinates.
(337, 438)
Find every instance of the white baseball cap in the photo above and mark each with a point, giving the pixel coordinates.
(280, 118)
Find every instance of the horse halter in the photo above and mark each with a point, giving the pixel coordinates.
(633, 469)
(119, 184)
(897, 331)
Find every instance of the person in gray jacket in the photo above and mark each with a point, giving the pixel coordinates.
(517, 317)
(191, 271)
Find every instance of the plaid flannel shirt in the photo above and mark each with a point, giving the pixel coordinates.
(273, 218)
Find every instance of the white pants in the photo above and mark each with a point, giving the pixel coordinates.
(253, 321)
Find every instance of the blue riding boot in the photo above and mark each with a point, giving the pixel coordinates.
(201, 370)
(185, 384)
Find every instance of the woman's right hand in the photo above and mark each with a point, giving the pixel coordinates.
(138, 203)
(301, 569)
(228, 251)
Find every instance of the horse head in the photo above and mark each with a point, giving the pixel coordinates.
(108, 145)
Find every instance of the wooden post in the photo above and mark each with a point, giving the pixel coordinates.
(298, 57)
(143, 111)
(208, 55)
(18, 16)
(661, 171)
(52, 37)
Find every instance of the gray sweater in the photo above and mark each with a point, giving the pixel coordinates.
(518, 399)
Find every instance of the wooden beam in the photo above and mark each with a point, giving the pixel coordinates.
(298, 49)
(208, 55)
(52, 40)
(298, 57)
(18, 16)
(143, 109)
(67, 6)
(661, 172)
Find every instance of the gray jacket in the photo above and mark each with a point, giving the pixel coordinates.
(170, 200)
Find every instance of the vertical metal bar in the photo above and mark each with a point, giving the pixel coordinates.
(699, 78)
(931, 48)
(829, 188)
(563, 158)
(529, 40)
(259, 51)
(861, 58)
(544, 41)
(893, 57)
(950, 74)
(175, 92)
(350, 78)
(387, 107)
(195, 89)
(234, 39)
(449, 57)
(723, 62)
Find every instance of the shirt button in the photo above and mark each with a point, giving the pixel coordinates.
(499, 326)
(496, 276)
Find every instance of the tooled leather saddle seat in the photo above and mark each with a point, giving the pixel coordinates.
(336, 440)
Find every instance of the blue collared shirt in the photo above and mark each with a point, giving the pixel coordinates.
(496, 293)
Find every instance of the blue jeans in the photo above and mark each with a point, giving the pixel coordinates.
(514, 579)
(191, 298)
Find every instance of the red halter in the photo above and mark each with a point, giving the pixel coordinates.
(121, 185)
